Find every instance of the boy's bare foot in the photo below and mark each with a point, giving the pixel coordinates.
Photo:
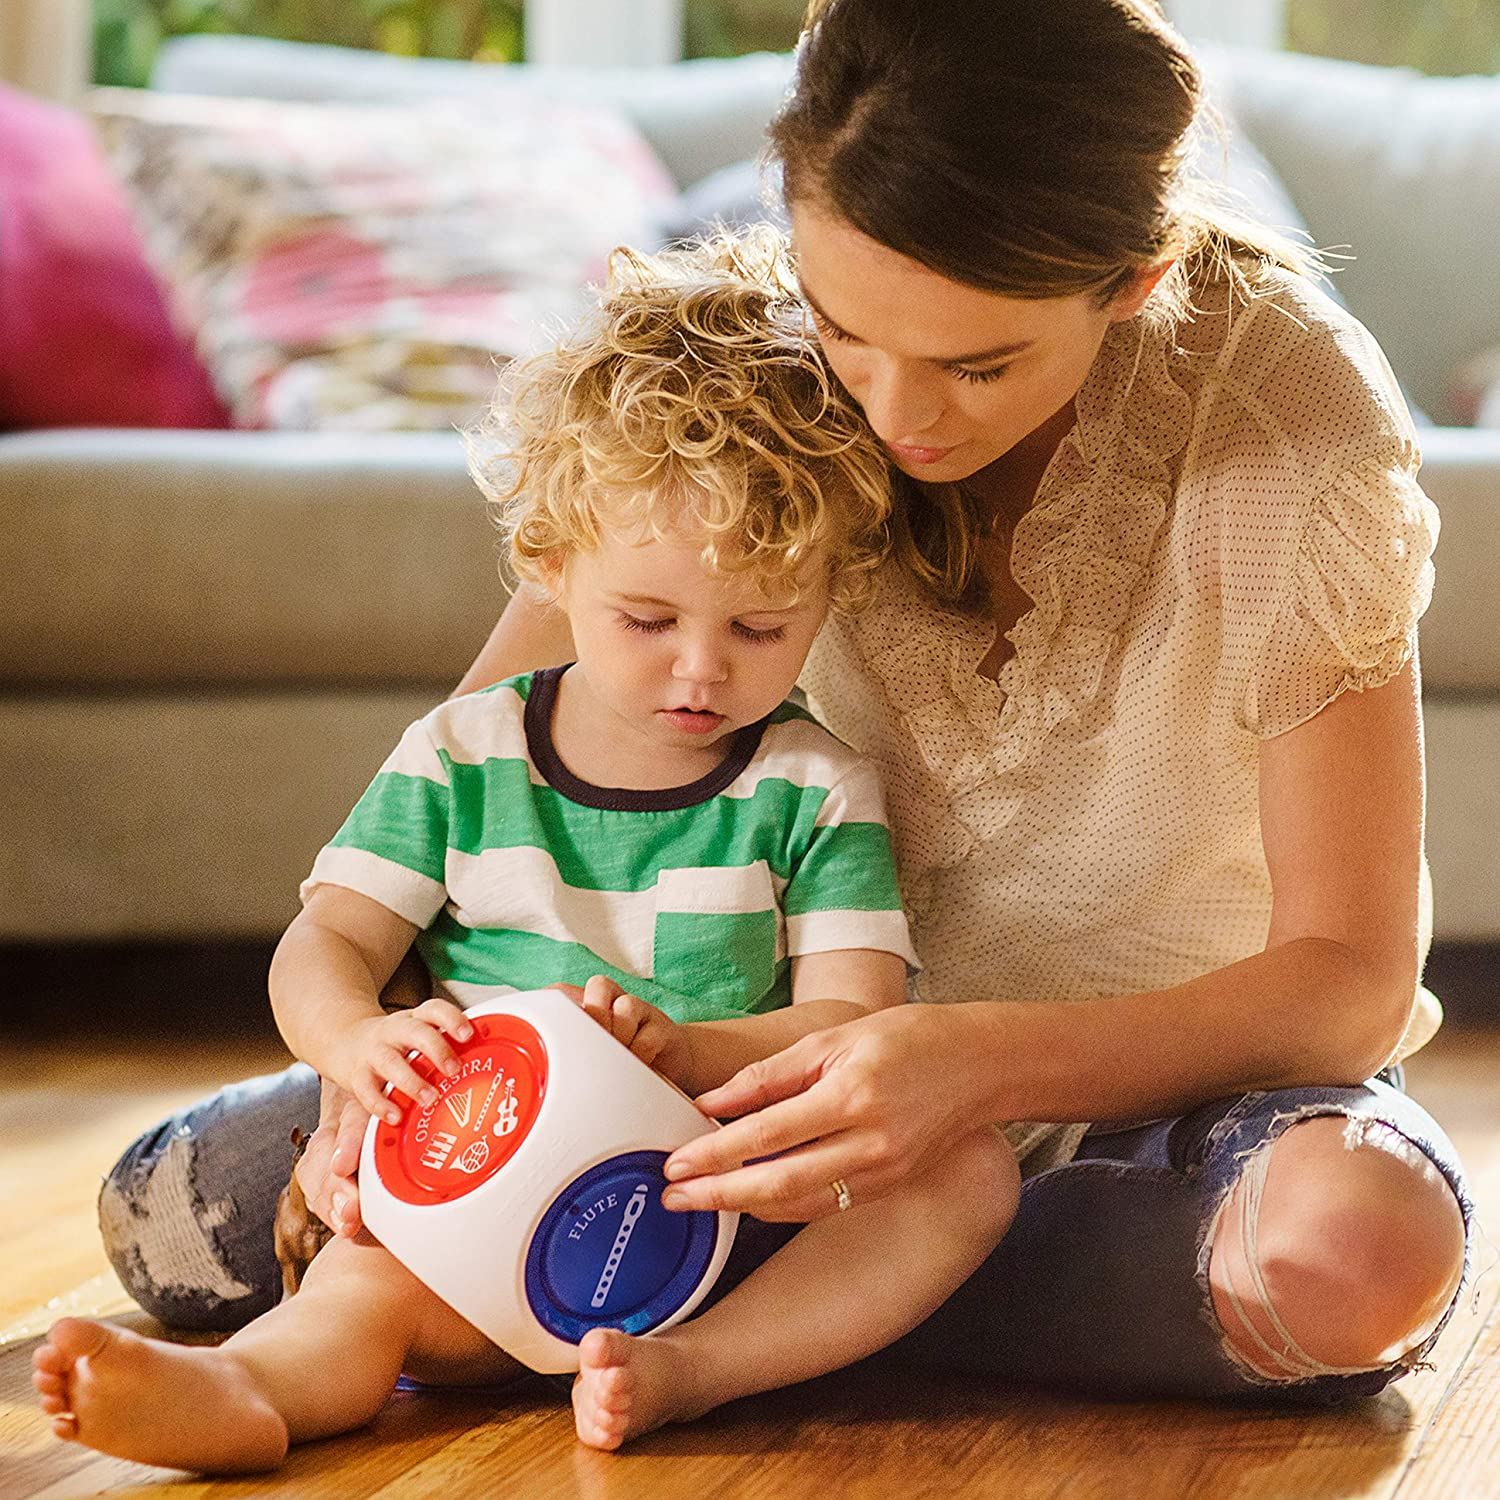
(155, 1403)
(627, 1386)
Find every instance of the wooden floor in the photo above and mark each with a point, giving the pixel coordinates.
(67, 1108)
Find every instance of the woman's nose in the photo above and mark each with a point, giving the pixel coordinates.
(900, 405)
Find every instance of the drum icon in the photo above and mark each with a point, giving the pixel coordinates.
(528, 1195)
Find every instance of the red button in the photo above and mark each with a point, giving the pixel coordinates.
(441, 1152)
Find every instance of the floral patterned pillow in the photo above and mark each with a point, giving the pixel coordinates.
(366, 267)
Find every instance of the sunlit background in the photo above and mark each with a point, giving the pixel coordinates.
(1436, 36)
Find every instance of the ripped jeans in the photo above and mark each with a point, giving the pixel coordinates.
(1100, 1286)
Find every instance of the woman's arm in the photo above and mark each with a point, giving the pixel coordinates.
(529, 635)
(1325, 1002)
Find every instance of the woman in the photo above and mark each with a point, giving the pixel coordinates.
(1143, 684)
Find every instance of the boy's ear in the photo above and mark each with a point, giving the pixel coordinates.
(549, 576)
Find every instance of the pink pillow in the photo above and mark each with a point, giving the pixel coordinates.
(85, 340)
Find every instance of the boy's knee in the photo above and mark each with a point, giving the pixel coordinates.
(980, 1180)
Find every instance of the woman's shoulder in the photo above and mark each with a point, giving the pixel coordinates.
(1284, 377)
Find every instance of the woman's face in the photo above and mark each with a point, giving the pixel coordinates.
(950, 376)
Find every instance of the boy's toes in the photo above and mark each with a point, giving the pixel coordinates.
(52, 1390)
(73, 1338)
(65, 1426)
(48, 1359)
(605, 1349)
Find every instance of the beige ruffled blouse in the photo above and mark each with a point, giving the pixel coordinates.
(1230, 537)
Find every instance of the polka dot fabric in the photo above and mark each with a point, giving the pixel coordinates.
(1230, 537)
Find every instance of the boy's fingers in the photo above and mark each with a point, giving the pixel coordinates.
(353, 1121)
(599, 1000)
(398, 1072)
(421, 1037)
(374, 1100)
(443, 1017)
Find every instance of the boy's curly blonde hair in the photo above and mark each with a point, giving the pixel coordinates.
(692, 399)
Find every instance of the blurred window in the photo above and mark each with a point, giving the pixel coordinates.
(1437, 36)
(128, 33)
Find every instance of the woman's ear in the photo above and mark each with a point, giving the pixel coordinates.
(1133, 296)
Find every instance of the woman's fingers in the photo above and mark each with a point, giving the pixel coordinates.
(781, 1076)
(789, 1188)
(313, 1175)
(778, 1128)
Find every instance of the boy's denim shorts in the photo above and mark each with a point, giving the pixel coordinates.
(1099, 1287)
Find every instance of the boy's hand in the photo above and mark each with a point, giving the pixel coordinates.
(327, 1170)
(650, 1033)
(374, 1053)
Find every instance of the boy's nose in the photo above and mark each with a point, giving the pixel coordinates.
(699, 663)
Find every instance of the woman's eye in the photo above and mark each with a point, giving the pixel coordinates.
(650, 627)
(827, 330)
(747, 634)
(981, 377)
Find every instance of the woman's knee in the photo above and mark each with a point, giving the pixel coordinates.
(1339, 1250)
(185, 1214)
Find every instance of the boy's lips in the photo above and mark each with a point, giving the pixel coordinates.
(693, 720)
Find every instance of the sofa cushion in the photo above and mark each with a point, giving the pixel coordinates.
(85, 338)
(1403, 172)
(698, 116)
(240, 559)
(362, 267)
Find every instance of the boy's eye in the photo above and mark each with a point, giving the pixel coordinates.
(651, 627)
(747, 634)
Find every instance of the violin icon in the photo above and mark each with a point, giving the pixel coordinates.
(506, 1117)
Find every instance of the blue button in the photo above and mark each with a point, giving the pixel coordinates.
(608, 1255)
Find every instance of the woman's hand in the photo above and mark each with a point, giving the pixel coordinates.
(868, 1103)
(326, 1170)
(650, 1033)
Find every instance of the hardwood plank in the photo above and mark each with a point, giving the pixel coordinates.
(1459, 1452)
(853, 1435)
(64, 1119)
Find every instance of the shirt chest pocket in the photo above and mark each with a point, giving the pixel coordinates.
(719, 936)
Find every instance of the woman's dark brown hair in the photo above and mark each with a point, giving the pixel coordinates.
(1036, 148)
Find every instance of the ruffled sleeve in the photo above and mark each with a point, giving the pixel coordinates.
(1346, 613)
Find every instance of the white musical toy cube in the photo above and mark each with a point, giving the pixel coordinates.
(528, 1197)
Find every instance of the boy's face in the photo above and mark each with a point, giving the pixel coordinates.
(678, 654)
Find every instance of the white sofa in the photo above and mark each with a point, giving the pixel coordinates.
(211, 639)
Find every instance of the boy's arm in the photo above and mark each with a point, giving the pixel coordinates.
(328, 971)
(827, 989)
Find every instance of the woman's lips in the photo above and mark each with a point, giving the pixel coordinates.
(694, 721)
(912, 453)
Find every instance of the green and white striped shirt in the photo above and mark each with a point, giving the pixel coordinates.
(695, 898)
